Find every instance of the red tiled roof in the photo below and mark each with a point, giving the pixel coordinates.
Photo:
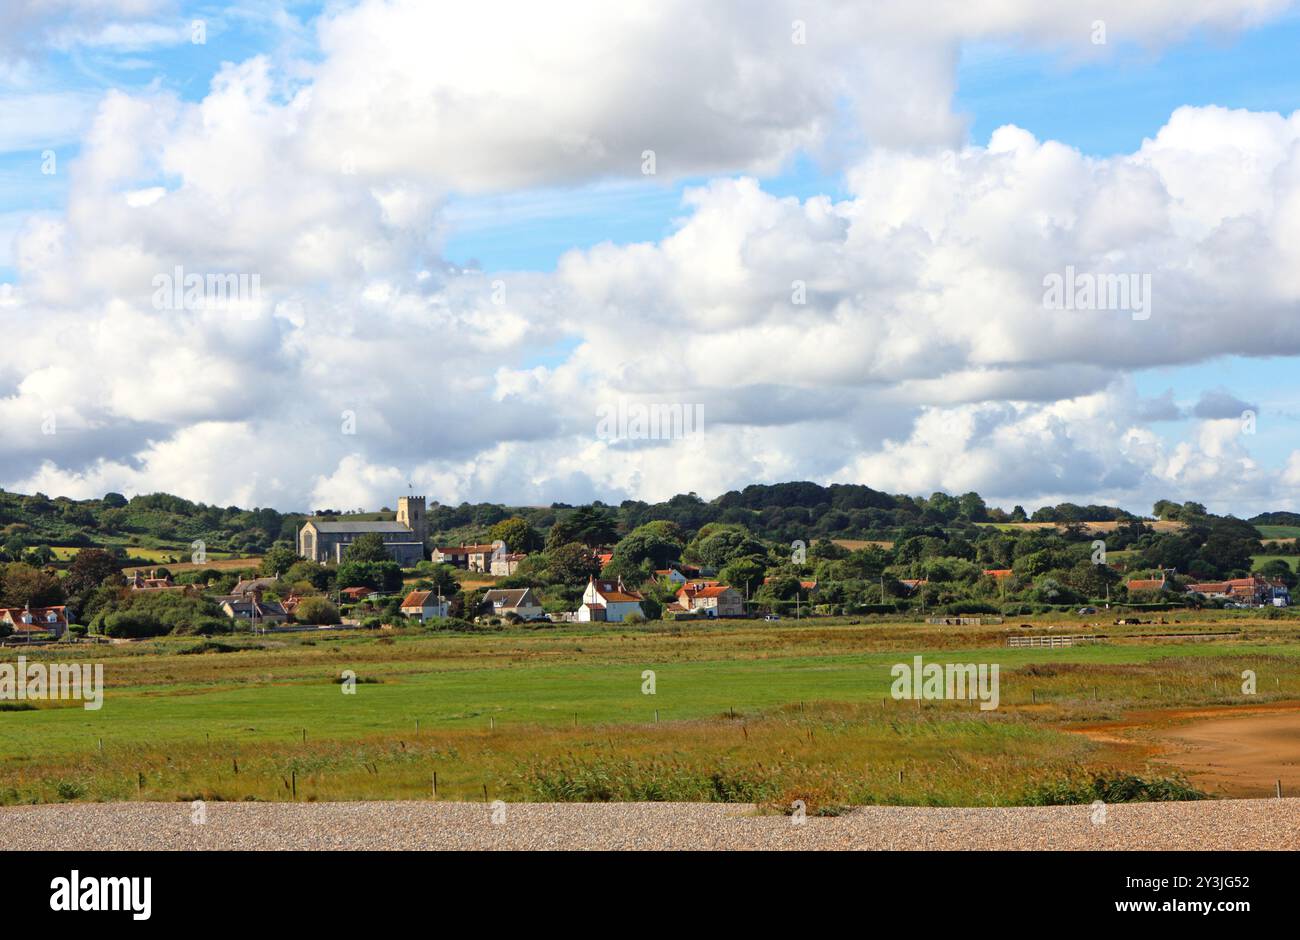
(715, 590)
(39, 624)
(1146, 584)
(998, 572)
(417, 599)
(1231, 586)
(615, 592)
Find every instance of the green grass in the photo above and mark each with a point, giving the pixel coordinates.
(1257, 560)
(1279, 531)
(534, 713)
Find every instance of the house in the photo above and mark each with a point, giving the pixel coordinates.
(252, 608)
(670, 574)
(403, 538)
(355, 594)
(243, 588)
(603, 556)
(1253, 591)
(608, 601)
(521, 602)
(505, 563)
(1281, 595)
(28, 621)
(716, 600)
(424, 605)
(139, 582)
(911, 584)
(1147, 584)
(998, 574)
(469, 557)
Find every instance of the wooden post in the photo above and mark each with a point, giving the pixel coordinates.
(417, 726)
(493, 722)
(1278, 787)
(294, 775)
(1033, 696)
(304, 735)
(435, 784)
(656, 716)
(139, 783)
(485, 793)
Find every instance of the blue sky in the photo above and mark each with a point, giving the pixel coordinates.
(1104, 106)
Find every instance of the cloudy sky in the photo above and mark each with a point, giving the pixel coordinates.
(463, 230)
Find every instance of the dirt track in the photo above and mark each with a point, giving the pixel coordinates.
(1212, 825)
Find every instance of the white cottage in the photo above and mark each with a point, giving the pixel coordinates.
(609, 601)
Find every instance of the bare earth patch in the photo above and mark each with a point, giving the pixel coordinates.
(1238, 751)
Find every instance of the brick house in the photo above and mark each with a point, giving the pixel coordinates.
(424, 605)
(29, 621)
(714, 600)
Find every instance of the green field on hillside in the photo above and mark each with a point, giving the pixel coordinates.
(1257, 560)
(1279, 531)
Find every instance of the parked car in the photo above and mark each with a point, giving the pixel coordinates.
(772, 617)
(1087, 610)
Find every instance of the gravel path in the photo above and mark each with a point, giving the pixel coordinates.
(1216, 825)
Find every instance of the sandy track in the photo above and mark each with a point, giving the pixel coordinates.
(1242, 755)
(1215, 825)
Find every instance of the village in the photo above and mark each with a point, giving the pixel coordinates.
(390, 569)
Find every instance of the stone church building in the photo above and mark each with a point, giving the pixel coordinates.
(326, 542)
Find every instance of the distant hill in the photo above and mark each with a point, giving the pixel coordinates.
(781, 512)
(1276, 518)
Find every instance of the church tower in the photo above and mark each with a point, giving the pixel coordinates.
(410, 512)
